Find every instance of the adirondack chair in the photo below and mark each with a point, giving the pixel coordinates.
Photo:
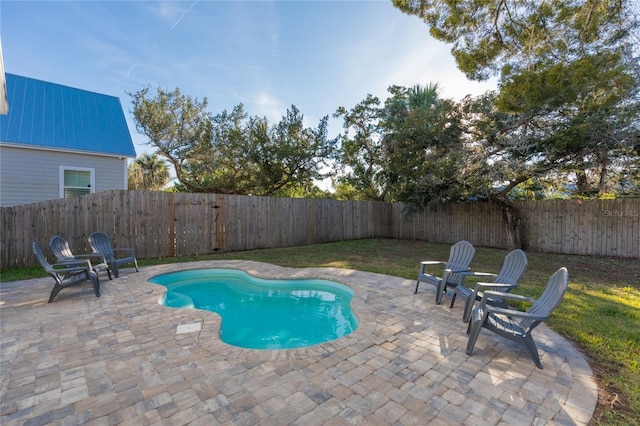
(68, 273)
(101, 243)
(506, 280)
(63, 253)
(460, 257)
(517, 325)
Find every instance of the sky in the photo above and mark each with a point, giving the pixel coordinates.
(267, 55)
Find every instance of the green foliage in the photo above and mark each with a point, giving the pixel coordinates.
(490, 36)
(287, 155)
(176, 125)
(569, 77)
(148, 173)
(362, 156)
(406, 150)
(231, 153)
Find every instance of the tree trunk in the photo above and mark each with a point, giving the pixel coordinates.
(582, 183)
(602, 183)
(512, 221)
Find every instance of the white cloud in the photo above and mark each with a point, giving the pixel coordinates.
(264, 104)
(432, 62)
(171, 9)
(403, 53)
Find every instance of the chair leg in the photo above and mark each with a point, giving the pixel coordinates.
(441, 288)
(135, 262)
(468, 307)
(114, 268)
(453, 300)
(95, 281)
(54, 292)
(473, 331)
(530, 345)
(417, 284)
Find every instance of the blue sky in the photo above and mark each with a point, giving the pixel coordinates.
(267, 55)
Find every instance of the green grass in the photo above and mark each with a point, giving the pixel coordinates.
(600, 313)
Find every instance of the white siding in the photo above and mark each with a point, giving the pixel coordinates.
(32, 175)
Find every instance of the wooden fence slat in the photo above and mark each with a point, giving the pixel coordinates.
(161, 224)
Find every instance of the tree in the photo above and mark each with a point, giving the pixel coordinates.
(566, 84)
(568, 65)
(511, 37)
(288, 156)
(231, 153)
(361, 152)
(423, 149)
(180, 128)
(148, 173)
(405, 150)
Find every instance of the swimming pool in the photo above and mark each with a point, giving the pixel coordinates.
(264, 313)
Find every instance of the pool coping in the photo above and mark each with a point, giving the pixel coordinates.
(210, 332)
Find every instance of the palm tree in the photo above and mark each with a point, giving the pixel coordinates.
(148, 173)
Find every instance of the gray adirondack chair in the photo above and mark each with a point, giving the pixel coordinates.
(460, 257)
(101, 243)
(506, 280)
(63, 253)
(517, 325)
(68, 273)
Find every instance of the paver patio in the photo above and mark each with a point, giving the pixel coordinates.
(118, 359)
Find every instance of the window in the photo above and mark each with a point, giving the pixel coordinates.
(75, 181)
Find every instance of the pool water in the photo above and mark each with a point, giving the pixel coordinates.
(264, 313)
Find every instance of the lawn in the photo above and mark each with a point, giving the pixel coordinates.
(600, 312)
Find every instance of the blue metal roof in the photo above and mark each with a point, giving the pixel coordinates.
(43, 114)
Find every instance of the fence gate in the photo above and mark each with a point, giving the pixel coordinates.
(195, 224)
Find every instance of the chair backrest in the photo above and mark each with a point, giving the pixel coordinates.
(513, 267)
(461, 254)
(550, 298)
(460, 257)
(101, 243)
(60, 248)
(40, 256)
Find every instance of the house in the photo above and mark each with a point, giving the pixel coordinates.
(58, 141)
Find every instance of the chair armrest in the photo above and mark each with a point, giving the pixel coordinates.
(488, 293)
(466, 274)
(432, 262)
(102, 256)
(455, 269)
(481, 285)
(510, 296)
(68, 264)
(67, 267)
(517, 314)
(477, 274)
(426, 263)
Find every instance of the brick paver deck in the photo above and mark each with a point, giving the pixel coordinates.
(118, 359)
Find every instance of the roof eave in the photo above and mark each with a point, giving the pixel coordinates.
(67, 150)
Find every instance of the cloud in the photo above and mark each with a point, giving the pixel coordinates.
(431, 62)
(264, 104)
(403, 53)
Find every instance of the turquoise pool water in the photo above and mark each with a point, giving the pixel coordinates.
(264, 313)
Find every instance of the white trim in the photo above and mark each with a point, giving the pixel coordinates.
(64, 150)
(62, 169)
(126, 173)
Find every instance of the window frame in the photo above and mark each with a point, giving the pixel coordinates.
(63, 169)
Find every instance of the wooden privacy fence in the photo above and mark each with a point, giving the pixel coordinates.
(161, 224)
(583, 227)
